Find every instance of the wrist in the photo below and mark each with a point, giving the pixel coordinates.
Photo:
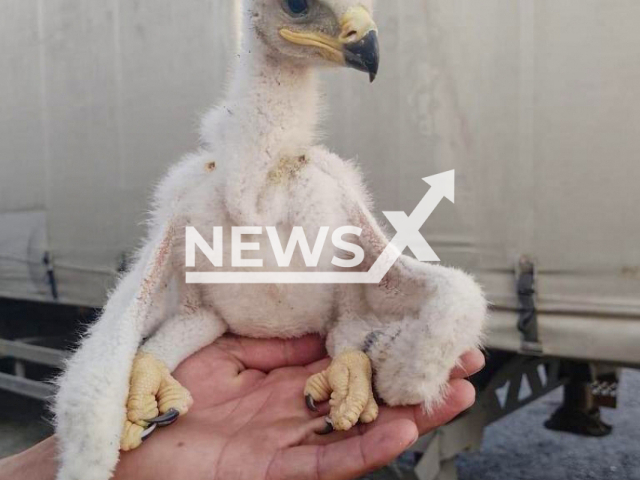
(37, 463)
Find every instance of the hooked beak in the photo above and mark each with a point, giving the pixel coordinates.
(364, 55)
(356, 47)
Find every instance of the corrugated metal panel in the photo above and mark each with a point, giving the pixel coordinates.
(98, 100)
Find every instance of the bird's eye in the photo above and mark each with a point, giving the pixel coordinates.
(297, 8)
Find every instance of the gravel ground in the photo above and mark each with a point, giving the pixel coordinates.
(515, 448)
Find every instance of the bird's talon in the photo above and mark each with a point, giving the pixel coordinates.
(165, 419)
(147, 433)
(347, 384)
(311, 404)
(328, 428)
(152, 391)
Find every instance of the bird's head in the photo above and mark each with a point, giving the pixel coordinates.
(340, 32)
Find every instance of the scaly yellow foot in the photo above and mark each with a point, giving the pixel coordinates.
(152, 392)
(347, 386)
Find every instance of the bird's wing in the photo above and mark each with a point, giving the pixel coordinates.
(420, 311)
(356, 201)
(90, 404)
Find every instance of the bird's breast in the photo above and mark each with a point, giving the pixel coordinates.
(268, 311)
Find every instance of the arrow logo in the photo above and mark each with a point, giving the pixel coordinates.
(408, 235)
(408, 228)
(442, 186)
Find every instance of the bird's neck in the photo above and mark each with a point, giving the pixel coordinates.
(279, 100)
(270, 114)
(271, 105)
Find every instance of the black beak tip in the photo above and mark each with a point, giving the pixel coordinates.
(364, 55)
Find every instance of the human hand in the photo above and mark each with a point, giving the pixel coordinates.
(250, 421)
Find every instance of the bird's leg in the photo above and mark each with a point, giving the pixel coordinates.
(155, 399)
(153, 391)
(347, 386)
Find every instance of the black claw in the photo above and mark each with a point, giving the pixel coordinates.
(147, 433)
(311, 405)
(328, 428)
(165, 419)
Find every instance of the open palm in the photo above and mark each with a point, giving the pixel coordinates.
(249, 420)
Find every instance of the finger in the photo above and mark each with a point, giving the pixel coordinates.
(345, 459)
(470, 363)
(461, 396)
(267, 355)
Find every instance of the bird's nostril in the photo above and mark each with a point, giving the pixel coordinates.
(349, 36)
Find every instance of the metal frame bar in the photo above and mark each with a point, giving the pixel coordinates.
(512, 376)
(24, 386)
(32, 353)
